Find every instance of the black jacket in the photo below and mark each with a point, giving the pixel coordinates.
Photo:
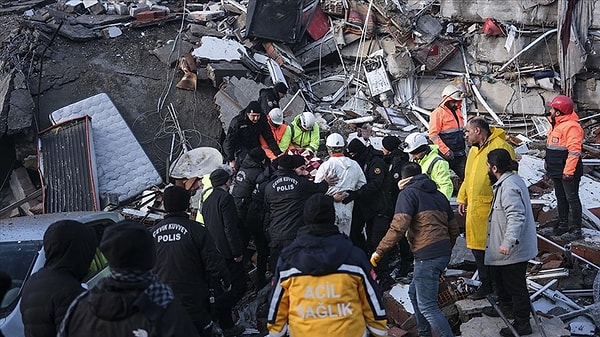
(186, 259)
(115, 308)
(244, 183)
(268, 99)
(370, 198)
(285, 195)
(220, 218)
(242, 135)
(394, 161)
(48, 293)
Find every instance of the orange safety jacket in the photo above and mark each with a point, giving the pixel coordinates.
(282, 135)
(446, 129)
(564, 147)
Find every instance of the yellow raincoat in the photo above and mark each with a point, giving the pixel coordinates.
(476, 189)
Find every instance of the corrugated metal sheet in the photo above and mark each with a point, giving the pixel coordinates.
(67, 166)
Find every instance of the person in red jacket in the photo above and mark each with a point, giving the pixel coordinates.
(446, 130)
(563, 164)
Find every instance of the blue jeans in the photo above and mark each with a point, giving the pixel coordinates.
(423, 293)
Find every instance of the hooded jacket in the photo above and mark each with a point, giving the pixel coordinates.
(438, 169)
(424, 215)
(69, 247)
(476, 189)
(446, 129)
(186, 258)
(511, 223)
(115, 308)
(324, 286)
(305, 139)
(564, 146)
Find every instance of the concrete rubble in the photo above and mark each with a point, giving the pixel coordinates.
(381, 63)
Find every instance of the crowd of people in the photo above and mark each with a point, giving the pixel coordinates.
(325, 242)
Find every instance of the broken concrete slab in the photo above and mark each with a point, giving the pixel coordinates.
(215, 49)
(528, 103)
(169, 53)
(510, 11)
(21, 187)
(235, 94)
(497, 95)
(588, 94)
(429, 92)
(201, 30)
(468, 309)
(490, 326)
(316, 50)
(5, 80)
(92, 21)
(216, 72)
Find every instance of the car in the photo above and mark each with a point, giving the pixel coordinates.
(22, 254)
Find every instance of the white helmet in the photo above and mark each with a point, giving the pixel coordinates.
(414, 141)
(334, 140)
(307, 120)
(276, 116)
(452, 91)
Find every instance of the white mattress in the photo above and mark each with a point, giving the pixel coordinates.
(123, 167)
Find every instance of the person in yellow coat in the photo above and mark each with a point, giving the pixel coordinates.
(475, 194)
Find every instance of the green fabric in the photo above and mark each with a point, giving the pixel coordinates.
(305, 139)
(440, 172)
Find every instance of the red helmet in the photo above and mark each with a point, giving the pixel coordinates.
(562, 103)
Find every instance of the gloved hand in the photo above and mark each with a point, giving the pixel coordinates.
(375, 259)
(351, 196)
(567, 176)
(449, 155)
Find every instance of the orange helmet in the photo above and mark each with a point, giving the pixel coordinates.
(563, 104)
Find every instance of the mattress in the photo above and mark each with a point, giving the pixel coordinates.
(124, 170)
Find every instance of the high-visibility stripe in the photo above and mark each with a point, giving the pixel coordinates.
(452, 130)
(556, 147)
(372, 296)
(575, 154)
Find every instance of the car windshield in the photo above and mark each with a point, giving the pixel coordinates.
(16, 259)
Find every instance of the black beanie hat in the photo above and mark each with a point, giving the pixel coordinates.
(391, 143)
(356, 146)
(257, 154)
(281, 87)
(290, 162)
(318, 209)
(176, 199)
(128, 245)
(219, 177)
(253, 106)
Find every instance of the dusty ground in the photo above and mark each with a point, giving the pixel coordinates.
(124, 69)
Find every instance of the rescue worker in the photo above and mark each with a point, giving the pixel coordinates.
(324, 284)
(350, 178)
(432, 164)
(220, 218)
(305, 132)
(395, 158)
(475, 194)
(563, 164)
(446, 129)
(243, 134)
(512, 240)
(268, 98)
(424, 215)
(281, 132)
(284, 201)
(69, 247)
(131, 301)
(187, 259)
(370, 211)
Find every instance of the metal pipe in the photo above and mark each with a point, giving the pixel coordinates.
(564, 250)
(552, 31)
(542, 289)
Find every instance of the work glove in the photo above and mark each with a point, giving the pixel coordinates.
(449, 155)
(375, 259)
(567, 176)
(351, 196)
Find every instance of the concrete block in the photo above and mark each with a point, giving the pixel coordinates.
(530, 103)
(468, 309)
(504, 11)
(587, 94)
(491, 49)
(21, 186)
(490, 326)
(134, 9)
(121, 8)
(398, 307)
(497, 95)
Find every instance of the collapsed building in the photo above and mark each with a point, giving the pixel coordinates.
(374, 66)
